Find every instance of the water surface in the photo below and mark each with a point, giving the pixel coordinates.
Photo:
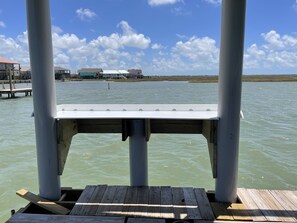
(267, 144)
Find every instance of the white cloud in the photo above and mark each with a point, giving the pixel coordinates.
(180, 11)
(198, 49)
(2, 24)
(194, 56)
(157, 46)
(113, 41)
(126, 28)
(7, 44)
(14, 49)
(254, 57)
(214, 2)
(85, 14)
(273, 39)
(23, 38)
(254, 51)
(285, 59)
(61, 59)
(67, 48)
(104, 51)
(56, 29)
(276, 41)
(290, 41)
(129, 38)
(162, 2)
(128, 49)
(277, 53)
(67, 41)
(118, 50)
(180, 36)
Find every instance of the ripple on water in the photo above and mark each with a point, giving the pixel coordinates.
(268, 140)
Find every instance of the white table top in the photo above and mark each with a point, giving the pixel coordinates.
(138, 111)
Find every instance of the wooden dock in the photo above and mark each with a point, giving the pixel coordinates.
(123, 204)
(11, 93)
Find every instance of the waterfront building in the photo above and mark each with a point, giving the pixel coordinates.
(61, 73)
(109, 74)
(89, 72)
(115, 74)
(25, 72)
(8, 69)
(135, 73)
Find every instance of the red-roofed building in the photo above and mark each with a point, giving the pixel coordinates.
(5, 61)
(7, 68)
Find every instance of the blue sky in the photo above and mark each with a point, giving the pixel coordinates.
(162, 37)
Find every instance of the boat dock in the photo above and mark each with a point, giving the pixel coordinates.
(140, 202)
(12, 92)
(125, 204)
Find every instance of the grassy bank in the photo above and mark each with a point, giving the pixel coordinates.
(213, 79)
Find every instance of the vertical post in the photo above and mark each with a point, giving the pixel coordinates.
(231, 60)
(10, 78)
(20, 76)
(44, 99)
(7, 70)
(13, 77)
(138, 154)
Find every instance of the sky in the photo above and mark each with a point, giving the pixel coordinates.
(161, 37)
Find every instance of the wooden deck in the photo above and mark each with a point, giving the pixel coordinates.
(122, 204)
(150, 202)
(11, 93)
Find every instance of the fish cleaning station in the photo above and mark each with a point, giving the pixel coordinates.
(55, 125)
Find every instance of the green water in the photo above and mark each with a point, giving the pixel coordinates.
(268, 143)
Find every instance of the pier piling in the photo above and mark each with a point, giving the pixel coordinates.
(231, 60)
(138, 154)
(44, 99)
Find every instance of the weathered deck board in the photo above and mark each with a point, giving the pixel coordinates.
(38, 218)
(157, 204)
(83, 199)
(203, 203)
(291, 196)
(145, 220)
(142, 202)
(151, 202)
(274, 204)
(118, 200)
(130, 201)
(154, 208)
(191, 204)
(285, 202)
(90, 204)
(185, 203)
(44, 203)
(267, 206)
(95, 200)
(221, 211)
(239, 212)
(179, 205)
(251, 205)
(166, 203)
(106, 202)
(122, 204)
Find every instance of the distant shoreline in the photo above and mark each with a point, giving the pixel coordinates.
(214, 79)
(188, 78)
